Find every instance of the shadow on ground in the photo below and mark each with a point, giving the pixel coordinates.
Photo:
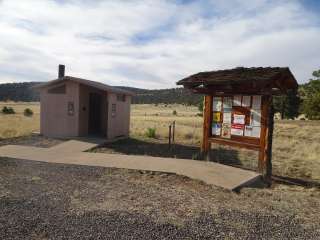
(223, 155)
(158, 148)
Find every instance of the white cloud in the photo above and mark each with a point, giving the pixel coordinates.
(152, 44)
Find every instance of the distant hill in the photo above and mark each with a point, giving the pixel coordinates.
(170, 95)
(24, 92)
(18, 92)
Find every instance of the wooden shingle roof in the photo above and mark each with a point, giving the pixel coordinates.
(242, 79)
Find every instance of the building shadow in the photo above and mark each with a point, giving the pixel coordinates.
(157, 148)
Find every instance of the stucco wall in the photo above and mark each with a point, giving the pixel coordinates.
(119, 124)
(54, 118)
(56, 122)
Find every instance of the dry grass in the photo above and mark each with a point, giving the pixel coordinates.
(296, 148)
(188, 124)
(296, 145)
(15, 125)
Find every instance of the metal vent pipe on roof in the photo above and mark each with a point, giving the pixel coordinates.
(61, 71)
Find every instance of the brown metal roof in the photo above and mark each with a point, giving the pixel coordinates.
(90, 83)
(256, 78)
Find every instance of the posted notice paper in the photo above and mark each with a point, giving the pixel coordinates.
(256, 102)
(216, 129)
(216, 116)
(237, 100)
(217, 104)
(227, 117)
(226, 130)
(255, 119)
(246, 101)
(237, 129)
(239, 119)
(252, 131)
(227, 104)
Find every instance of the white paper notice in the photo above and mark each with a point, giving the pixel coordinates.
(237, 129)
(248, 131)
(216, 129)
(227, 117)
(246, 101)
(239, 119)
(255, 119)
(256, 132)
(256, 102)
(237, 100)
(226, 130)
(217, 104)
(227, 104)
(252, 131)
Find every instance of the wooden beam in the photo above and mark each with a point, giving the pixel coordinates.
(235, 143)
(207, 112)
(265, 134)
(268, 162)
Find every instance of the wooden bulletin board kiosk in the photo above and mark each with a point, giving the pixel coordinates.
(238, 107)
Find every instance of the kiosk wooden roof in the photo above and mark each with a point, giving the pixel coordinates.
(262, 82)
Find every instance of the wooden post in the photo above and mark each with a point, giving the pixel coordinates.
(173, 130)
(170, 136)
(265, 153)
(207, 112)
(269, 144)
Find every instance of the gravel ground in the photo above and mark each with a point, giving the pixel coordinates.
(34, 140)
(56, 201)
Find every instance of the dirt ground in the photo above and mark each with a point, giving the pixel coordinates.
(34, 140)
(56, 201)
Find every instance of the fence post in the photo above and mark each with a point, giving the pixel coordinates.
(170, 136)
(173, 131)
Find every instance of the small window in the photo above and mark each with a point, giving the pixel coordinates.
(70, 108)
(121, 97)
(113, 110)
(58, 90)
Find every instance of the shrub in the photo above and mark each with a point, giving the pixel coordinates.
(200, 107)
(174, 112)
(151, 133)
(8, 110)
(28, 112)
(188, 135)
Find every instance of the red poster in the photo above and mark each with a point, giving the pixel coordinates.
(237, 129)
(237, 126)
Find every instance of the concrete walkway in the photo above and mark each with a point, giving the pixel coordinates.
(71, 152)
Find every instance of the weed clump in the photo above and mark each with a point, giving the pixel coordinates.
(8, 110)
(28, 112)
(151, 133)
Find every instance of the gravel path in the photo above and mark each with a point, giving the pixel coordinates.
(56, 201)
(34, 140)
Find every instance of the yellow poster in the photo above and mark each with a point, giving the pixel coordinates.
(217, 116)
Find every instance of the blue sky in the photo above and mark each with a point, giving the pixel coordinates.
(153, 44)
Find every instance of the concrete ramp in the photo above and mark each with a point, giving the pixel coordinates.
(71, 152)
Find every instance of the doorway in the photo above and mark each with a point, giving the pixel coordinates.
(94, 127)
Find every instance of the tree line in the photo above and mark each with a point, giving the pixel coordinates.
(305, 100)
